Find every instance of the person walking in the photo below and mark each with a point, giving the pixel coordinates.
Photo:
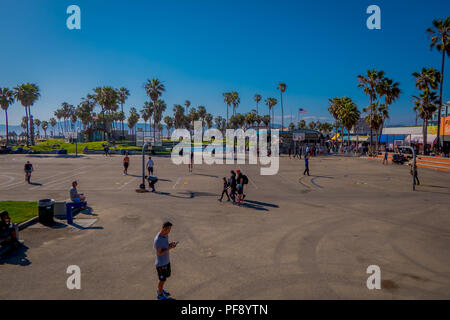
(307, 156)
(385, 160)
(28, 169)
(126, 164)
(162, 247)
(191, 161)
(233, 186)
(150, 165)
(413, 172)
(225, 188)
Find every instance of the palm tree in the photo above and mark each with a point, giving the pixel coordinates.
(37, 123)
(146, 114)
(44, 126)
(169, 124)
(154, 89)
(201, 110)
(107, 98)
(390, 90)
(193, 116)
(160, 107)
(133, 119)
(440, 39)
(227, 98)
(270, 103)
(220, 123)
(349, 116)
(282, 87)
(257, 100)
(178, 115)
(291, 126)
(266, 120)
(235, 100)
(123, 95)
(27, 94)
(333, 109)
(425, 105)
(209, 120)
(370, 84)
(427, 79)
(187, 104)
(53, 123)
(6, 99)
(301, 124)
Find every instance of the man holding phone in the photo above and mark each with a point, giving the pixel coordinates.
(162, 247)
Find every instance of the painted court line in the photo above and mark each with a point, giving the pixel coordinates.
(178, 181)
(59, 181)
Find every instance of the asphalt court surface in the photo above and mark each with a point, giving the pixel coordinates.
(296, 237)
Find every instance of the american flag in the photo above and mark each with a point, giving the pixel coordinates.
(302, 111)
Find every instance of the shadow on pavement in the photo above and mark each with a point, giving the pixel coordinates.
(16, 257)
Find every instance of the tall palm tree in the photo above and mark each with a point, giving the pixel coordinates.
(209, 120)
(427, 79)
(370, 84)
(179, 116)
(425, 105)
(6, 99)
(257, 100)
(160, 107)
(145, 115)
(53, 123)
(440, 39)
(333, 109)
(201, 110)
(390, 90)
(27, 94)
(123, 95)
(37, 123)
(235, 100)
(228, 99)
(282, 87)
(44, 126)
(154, 89)
(169, 121)
(270, 103)
(349, 116)
(187, 104)
(107, 98)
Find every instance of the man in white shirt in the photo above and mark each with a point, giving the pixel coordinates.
(150, 166)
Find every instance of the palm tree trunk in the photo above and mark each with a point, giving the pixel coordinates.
(282, 112)
(425, 128)
(31, 127)
(7, 133)
(28, 131)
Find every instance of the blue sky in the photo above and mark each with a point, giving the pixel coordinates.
(202, 48)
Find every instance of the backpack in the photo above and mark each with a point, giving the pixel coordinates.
(244, 179)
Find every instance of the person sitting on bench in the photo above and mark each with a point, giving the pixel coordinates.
(7, 229)
(74, 195)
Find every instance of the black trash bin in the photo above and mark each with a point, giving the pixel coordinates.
(46, 211)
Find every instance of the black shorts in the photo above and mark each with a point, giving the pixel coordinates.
(150, 169)
(125, 165)
(163, 272)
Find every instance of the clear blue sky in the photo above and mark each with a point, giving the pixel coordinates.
(202, 48)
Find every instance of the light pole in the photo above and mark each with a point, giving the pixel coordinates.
(142, 186)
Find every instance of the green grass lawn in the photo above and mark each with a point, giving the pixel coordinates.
(20, 211)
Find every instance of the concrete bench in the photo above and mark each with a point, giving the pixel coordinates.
(70, 206)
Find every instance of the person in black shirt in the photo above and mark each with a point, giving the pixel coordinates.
(28, 168)
(226, 186)
(233, 186)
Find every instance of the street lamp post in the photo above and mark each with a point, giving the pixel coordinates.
(142, 186)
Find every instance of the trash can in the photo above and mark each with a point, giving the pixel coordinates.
(46, 211)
